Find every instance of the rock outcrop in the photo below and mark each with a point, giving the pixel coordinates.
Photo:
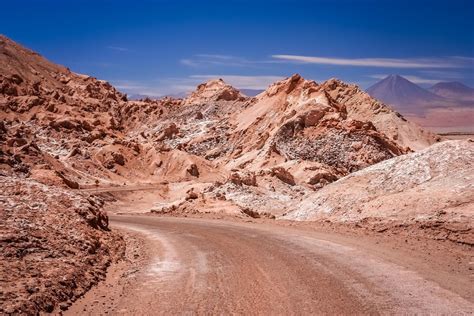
(361, 106)
(213, 91)
(434, 186)
(55, 244)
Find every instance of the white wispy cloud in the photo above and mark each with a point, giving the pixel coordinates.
(448, 62)
(189, 62)
(465, 59)
(414, 79)
(216, 56)
(242, 82)
(443, 74)
(203, 60)
(118, 48)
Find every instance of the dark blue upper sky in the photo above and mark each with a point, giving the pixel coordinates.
(164, 47)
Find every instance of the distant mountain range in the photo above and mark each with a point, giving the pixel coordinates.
(403, 94)
(453, 90)
(444, 107)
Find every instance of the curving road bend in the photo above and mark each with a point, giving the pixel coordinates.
(217, 267)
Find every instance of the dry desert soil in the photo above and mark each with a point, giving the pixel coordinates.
(209, 266)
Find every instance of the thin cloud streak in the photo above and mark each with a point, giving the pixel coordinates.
(453, 62)
(117, 48)
(189, 62)
(216, 56)
(206, 60)
(443, 74)
(242, 82)
(203, 60)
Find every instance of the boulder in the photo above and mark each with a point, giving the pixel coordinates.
(282, 174)
(168, 132)
(191, 195)
(193, 170)
(246, 178)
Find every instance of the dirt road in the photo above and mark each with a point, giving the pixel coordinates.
(195, 266)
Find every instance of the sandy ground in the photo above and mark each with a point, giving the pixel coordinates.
(203, 266)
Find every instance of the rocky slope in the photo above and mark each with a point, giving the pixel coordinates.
(434, 186)
(361, 106)
(54, 245)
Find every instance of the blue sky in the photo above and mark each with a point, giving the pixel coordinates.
(165, 47)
